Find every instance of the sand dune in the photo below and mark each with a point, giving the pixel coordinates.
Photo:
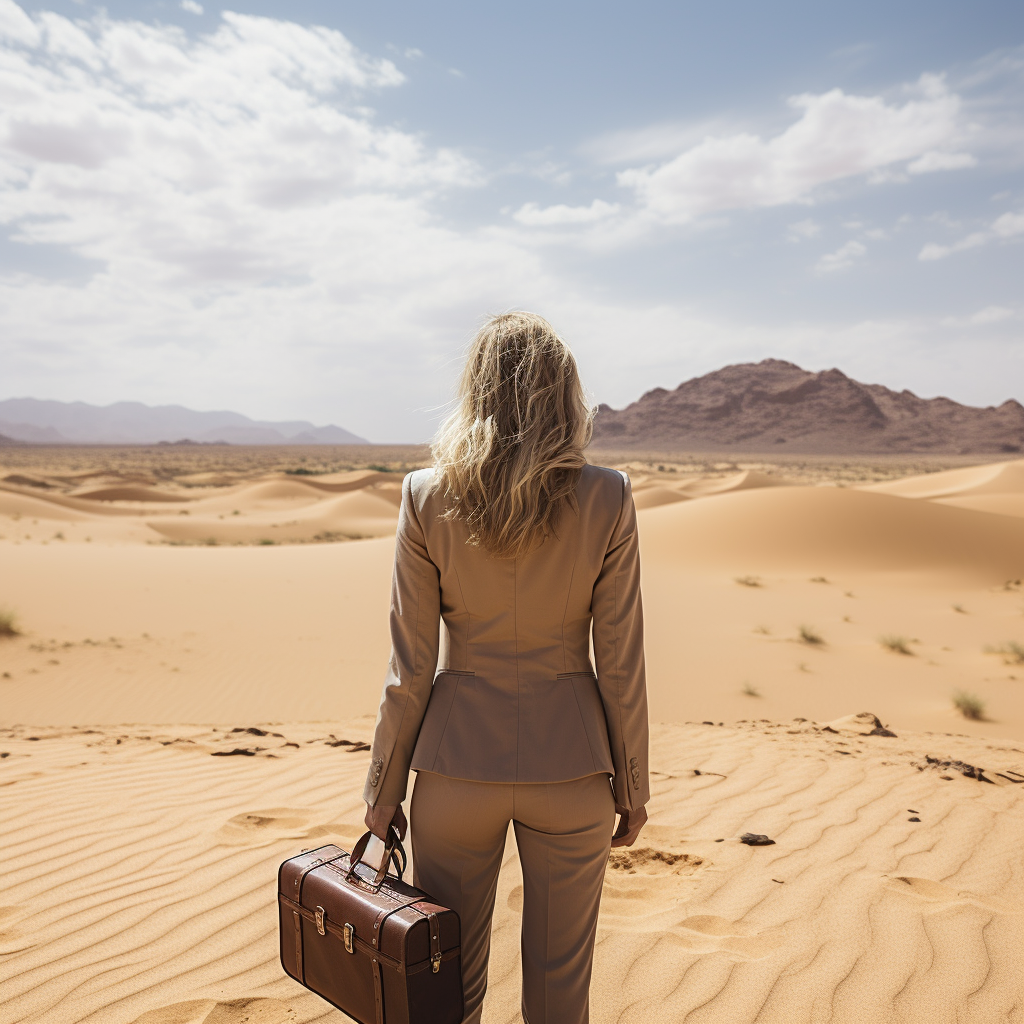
(139, 877)
(129, 493)
(55, 501)
(999, 504)
(998, 478)
(748, 479)
(138, 861)
(355, 515)
(836, 528)
(652, 496)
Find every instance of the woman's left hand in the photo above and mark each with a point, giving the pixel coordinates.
(630, 823)
(380, 816)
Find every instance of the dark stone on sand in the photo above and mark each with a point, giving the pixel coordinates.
(913, 819)
(828, 728)
(967, 770)
(753, 839)
(880, 730)
(237, 750)
(719, 840)
(707, 723)
(252, 731)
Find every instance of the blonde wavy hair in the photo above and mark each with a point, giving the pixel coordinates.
(509, 457)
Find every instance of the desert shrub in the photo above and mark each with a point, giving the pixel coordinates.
(8, 623)
(896, 644)
(376, 467)
(1012, 652)
(749, 581)
(809, 635)
(969, 705)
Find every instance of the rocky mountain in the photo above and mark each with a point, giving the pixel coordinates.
(49, 422)
(775, 406)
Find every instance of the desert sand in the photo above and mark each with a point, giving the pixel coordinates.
(197, 659)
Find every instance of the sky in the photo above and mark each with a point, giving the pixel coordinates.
(304, 210)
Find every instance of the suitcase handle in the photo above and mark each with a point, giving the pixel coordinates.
(394, 853)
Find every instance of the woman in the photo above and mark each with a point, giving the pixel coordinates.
(520, 549)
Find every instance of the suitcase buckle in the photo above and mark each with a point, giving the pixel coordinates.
(436, 962)
(349, 936)
(319, 914)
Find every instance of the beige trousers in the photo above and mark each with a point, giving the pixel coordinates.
(563, 831)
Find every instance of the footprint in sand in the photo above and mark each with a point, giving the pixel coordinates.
(644, 888)
(941, 895)
(210, 1011)
(258, 828)
(13, 939)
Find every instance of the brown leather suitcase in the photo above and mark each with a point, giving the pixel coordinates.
(375, 947)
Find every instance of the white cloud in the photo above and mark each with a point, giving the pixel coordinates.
(533, 215)
(247, 219)
(992, 315)
(253, 236)
(845, 256)
(837, 136)
(1007, 226)
(802, 230)
(934, 160)
(191, 6)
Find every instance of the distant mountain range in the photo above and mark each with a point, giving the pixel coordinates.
(775, 406)
(47, 422)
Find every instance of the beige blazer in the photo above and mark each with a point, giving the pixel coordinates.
(513, 696)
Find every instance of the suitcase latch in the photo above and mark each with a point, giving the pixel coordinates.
(349, 937)
(319, 914)
(436, 962)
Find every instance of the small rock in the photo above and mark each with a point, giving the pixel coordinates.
(913, 819)
(880, 730)
(237, 750)
(717, 840)
(707, 723)
(752, 839)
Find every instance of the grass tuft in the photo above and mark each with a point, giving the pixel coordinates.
(8, 623)
(749, 581)
(809, 635)
(896, 644)
(969, 705)
(1012, 652)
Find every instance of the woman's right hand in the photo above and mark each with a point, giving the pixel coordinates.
(380, 816)
(630, 823)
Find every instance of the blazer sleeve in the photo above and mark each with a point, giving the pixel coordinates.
(619, 656)
(415, 629)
